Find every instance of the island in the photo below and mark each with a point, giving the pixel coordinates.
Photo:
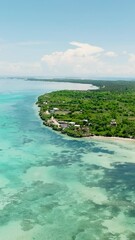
(108, 111)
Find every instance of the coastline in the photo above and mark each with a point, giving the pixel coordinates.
(90, 119)
(97, 138)
(110, 138)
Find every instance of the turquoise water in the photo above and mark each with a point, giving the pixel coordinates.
(54, 187)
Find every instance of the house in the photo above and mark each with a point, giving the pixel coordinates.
(51, 111)
(63, 125)
(55, 109)
(47, 112)
(77, 126)
(113, 122)
(53, 121)
(85, 121)
(72, 123)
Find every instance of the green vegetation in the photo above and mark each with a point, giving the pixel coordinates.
(109, 111)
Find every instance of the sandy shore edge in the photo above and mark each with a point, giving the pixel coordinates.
(110, 138)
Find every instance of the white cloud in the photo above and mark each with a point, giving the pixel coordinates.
(82, 59)
(85, 49)
(20, 68)
(79, 60)
(132, 58)
(86, 60)
(124, 52)
(111, 54)
(82, 50)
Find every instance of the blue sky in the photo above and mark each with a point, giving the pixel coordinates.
(67, 38)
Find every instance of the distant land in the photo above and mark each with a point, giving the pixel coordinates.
(109, 84)
(68, 79)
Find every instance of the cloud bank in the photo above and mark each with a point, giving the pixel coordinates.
(88, 60)
(79, 60)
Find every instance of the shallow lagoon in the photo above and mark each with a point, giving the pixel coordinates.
(53, 187)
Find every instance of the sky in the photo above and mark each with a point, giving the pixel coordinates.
(67, 38)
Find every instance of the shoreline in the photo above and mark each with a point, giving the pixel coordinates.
(75, 114)
(98, 138)
(110, 138)
(84, 137)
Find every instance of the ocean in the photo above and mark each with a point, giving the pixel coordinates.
(54, 187)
